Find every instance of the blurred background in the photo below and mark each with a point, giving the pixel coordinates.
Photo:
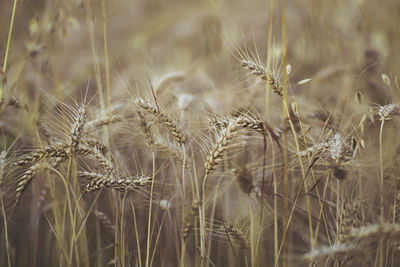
(56, 45)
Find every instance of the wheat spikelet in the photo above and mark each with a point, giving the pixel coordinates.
(237, 236)
(106, 164)
(221, 145)
(316, 149)
(95, 144)
(157, 144)
(90, 175)
(259, 71)
(251, 123)
(77, 127)
(338, 148)
(226, 134)
(219, 123)
(386, 112)
(120, 184)
(243, 121)
(146, 128)
(52, 151)
(163, 118)
(3, 163)
(25, 180)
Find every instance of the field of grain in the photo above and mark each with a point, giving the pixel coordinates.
(199, 133)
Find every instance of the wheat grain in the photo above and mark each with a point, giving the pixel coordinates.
(26, 179)
(120, 184)
(77, 127)
(52, 151)
(163, 118)
(259, 71)
(237, 236)
(386, 112)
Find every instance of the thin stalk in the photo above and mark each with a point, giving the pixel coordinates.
(252, 248)
(322, 214)
(5, 232)
(8, 44)
(382, 215)
(264, 160)
(338, 206)
(183, 246)
(214, 204)
(122, 252)
(183, 171)
(158, 237)
(99, 256)
(137, 234)
(285, 141)
(276, 229)
(381, 170)
(106, 56)
(90, 23)
(150, 208)
(267, 84)
(202, 217)
(196, 192)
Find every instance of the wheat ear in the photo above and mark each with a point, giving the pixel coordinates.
(26, 179)
(259, 71)
(77, 127)
(237, 236)
(163, 118)
(52, 151)
(120, 184)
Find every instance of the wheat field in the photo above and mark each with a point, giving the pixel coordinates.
(199, 133)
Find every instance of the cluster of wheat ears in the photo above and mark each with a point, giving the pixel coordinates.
(163, 177)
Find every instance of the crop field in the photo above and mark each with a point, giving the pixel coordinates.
(199, 133)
